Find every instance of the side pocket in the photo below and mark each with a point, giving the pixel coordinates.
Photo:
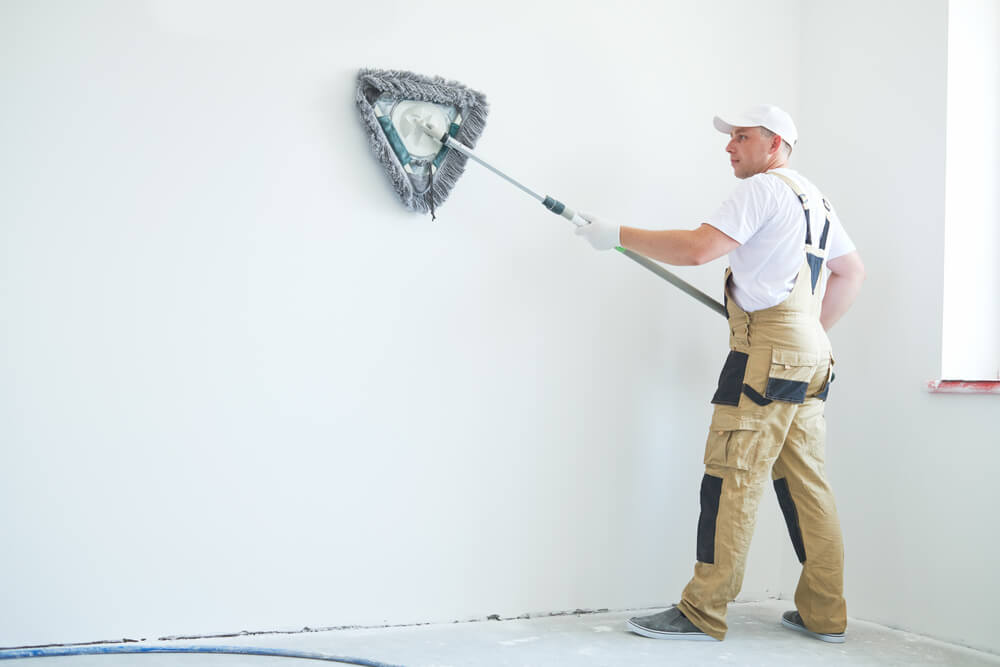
(731, 379)
(790, 374)
(732, 442)
(830, 375)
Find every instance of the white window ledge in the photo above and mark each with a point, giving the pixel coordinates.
(964, 387)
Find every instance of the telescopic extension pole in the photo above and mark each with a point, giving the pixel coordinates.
(559, 208)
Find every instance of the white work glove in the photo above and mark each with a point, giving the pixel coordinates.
(601, 235)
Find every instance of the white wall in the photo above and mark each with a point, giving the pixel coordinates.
(912, 470)
(242, 388)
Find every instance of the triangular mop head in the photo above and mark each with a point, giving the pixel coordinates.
(391, 103)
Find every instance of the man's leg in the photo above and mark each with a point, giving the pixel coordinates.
(807, 502)
(741, 448)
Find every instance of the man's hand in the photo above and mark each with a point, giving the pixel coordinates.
(602, 235)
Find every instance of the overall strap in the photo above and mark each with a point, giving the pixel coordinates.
(814, 254)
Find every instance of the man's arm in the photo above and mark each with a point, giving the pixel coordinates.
(680, 247)
(847, 274)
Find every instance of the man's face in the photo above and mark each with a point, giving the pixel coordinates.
(748, 151)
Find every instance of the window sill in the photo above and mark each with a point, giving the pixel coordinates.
(964, 387)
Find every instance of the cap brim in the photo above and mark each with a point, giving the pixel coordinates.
(726, 126)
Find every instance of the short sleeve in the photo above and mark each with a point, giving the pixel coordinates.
(840, 243)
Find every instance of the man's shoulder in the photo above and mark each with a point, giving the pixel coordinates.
(758, 183)
(757, 188)
(798, 177)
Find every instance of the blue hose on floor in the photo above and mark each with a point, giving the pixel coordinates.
(60, 651)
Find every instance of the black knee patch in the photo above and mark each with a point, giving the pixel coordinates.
(791, 517)
(711, 492)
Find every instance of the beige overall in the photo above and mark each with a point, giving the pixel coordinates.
(768, 421)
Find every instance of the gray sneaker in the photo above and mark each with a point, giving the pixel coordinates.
(669, 624)
(791, 619)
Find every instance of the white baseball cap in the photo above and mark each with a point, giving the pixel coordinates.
(773, 118)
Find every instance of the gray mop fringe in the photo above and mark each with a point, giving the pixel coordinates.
(411, 86)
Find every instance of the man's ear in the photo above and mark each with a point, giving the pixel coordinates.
(776, 143)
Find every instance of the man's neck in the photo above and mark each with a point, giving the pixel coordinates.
(776, 163)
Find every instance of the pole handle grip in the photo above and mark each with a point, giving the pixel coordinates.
(560, 208)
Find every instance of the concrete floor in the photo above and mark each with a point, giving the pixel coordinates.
(589, 640)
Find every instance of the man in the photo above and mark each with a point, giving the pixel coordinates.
(779, 232)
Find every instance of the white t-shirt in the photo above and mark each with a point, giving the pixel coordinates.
(765, 216)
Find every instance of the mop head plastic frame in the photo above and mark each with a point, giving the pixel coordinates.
(422, 183)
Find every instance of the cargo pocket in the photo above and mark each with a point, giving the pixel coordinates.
(732, 442)
(731, 379)
(790, 374)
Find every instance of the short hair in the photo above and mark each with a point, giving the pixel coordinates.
(785, 146)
